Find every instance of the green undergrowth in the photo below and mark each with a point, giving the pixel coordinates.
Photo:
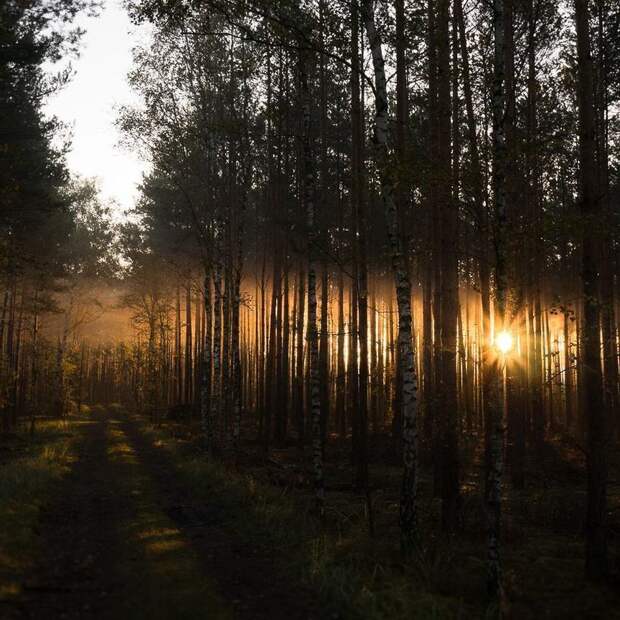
(155, 560)
(355, 575)
(30, 467)
(365, 577)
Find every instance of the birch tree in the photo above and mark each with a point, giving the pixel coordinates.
(409, 386)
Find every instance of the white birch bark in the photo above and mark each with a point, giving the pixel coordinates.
(409, 400)
(313, 345)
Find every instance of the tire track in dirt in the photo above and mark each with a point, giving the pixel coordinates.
(123, 538)
(249, 579)
(75, 576)
(107, 549)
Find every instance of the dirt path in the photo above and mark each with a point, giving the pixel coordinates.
(122, 539)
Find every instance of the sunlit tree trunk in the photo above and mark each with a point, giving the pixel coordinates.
(374, 378)
(226, 354)
(34, 363)
(236, 303)
(324, 352)
(215, 407)
(284, 355)
(493, 399)
(178, 378)
(403, 288)
(261, 376)
(299, 361)
(341, 380)
(434, 262)
(188, 345)
(205, 388)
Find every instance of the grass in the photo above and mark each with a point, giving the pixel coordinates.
(269, 509)
(163, 574)
(30, 469)
(365, 576)
(356, 575)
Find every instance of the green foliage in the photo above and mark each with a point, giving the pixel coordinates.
(27, 481)
(31, 168)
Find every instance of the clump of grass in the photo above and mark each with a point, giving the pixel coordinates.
(26, 483)
(337, 557)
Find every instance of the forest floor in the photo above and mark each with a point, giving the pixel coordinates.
(111, 517)
(120, 536)
(362, 574)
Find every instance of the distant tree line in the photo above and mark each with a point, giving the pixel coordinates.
(55, 235)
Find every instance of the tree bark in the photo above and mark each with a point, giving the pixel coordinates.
(408, 517)
(313, 344)
(494, 404)
(596, 566)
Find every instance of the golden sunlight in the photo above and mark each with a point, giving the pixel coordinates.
(504, 342)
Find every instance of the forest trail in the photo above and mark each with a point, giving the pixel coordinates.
(122, 538)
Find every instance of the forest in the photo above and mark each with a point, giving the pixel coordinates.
(354, 350)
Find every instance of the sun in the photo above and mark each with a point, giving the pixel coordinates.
(504, 342)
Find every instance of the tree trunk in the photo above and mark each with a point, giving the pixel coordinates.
(494, 404)
(207, 371)
(448, 211)
(313, 344)
(596, 423)
(408, 516)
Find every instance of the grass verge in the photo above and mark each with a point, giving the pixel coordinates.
(356, 575)
(29, 469)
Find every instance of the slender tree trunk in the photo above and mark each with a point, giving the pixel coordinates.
(408, 517)
(494, 403)
(188, 344)
(596, 423)
(313, 344)
(215, 409)
(360, 284)
(324, 353)
(608, 314)
(207, 371)
(448, 211)
(481, 214)
(236, 303)
(178, 377)
(341, 380)
(299, 374)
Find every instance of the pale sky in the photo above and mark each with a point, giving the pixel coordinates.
(87, 104)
